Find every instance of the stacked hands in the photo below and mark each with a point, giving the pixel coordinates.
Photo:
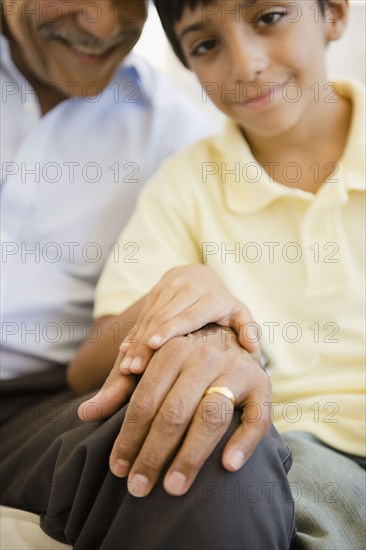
(169, 411)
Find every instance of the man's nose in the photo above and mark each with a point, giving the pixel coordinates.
(99, 18)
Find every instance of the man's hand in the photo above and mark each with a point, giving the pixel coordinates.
(184, 300)
(114, 393)
(169, 411)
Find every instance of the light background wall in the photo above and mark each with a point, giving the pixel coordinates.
(345, 57)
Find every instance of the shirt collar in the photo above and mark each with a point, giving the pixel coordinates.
(353, 158)
(142, 74)
(248, 188)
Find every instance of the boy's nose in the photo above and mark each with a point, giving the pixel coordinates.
(99, 18)
(249, 59)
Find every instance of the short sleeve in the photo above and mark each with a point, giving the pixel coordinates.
(160, 235)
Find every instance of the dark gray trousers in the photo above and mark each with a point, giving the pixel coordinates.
(54, 465)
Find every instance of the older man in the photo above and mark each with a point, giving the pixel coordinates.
(80, 134)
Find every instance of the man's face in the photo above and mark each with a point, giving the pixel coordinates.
(73, 45)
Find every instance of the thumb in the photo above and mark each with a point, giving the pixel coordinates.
(112, 395)
(246, 329)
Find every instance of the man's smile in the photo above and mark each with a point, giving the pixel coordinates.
(85, 44)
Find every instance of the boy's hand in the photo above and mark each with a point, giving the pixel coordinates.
(170, 412)
(184, 300)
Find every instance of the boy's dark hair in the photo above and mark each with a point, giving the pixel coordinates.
(170, 12)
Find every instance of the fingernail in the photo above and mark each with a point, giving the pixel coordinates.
(176, 483)
(124, 346)
(90, 410)
(138, 486)
(126, 363)
(136, 365)
(121, 468)
(236, 460)
(155, 340)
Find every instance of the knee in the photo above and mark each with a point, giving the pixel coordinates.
(249, 509)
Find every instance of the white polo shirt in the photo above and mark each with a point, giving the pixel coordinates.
(69, 181)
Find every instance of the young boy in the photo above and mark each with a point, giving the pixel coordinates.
(274, 206)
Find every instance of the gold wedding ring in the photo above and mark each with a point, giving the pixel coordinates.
(222, 390)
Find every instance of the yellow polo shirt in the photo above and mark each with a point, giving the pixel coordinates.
(295, 258)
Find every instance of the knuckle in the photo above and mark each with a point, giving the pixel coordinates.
(174, 346)
(155, 320)
(207, 354)
(163, 316)
(172, 415)
(154, 292)
(259, 375)
(149, 460)
(172, 272)
(168, 329)
(216, 419)
(188, 286)
(188, 315)
(146, 320)
(124, 446)
(145, 408)
(142, 349)
(190, 462)
(175, 277)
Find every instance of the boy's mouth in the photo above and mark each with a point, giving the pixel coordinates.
(266, 95)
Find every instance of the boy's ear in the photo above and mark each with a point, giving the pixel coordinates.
(335, 18)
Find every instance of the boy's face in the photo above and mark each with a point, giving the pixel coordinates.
(72, 45)
(262, 62)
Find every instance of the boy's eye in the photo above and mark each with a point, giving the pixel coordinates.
(204, 47)
(270, 18)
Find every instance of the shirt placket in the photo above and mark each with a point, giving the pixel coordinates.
(322, 244)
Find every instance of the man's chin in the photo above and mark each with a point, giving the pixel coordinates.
(77, 73)
(86, 88)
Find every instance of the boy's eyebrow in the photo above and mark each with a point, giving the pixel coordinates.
(200, 26)
(192, 28)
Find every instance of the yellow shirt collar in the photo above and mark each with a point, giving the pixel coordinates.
(256, 191)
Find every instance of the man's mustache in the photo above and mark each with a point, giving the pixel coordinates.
(84, 41)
